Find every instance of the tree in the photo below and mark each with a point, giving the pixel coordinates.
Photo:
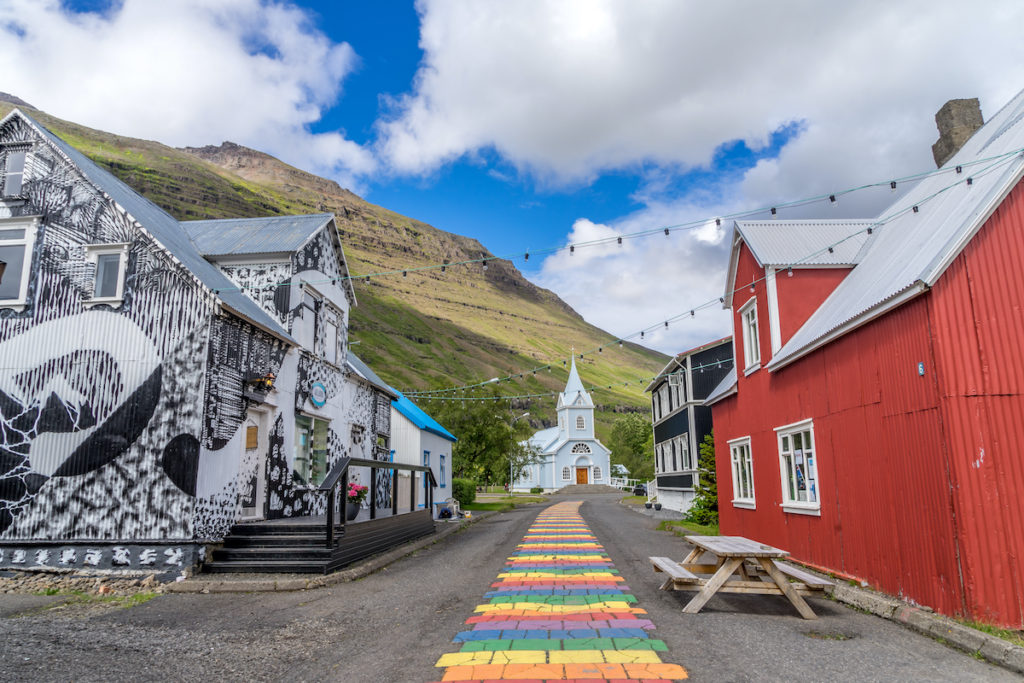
(704, 509)
(488, 437)
(632, 445)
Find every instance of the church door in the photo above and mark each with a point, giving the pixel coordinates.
(581, 475)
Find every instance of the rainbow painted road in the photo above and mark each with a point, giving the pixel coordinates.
(559, 612)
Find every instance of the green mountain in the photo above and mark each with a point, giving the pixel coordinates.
(425, 330)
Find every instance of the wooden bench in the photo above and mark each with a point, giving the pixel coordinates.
(675, 571)
(812, 582)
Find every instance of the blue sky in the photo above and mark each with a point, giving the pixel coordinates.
(541, 123)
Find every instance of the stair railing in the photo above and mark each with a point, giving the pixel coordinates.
(339, 474)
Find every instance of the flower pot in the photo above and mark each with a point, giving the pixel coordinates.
(351, 511)
(657, 506)
(647, 505)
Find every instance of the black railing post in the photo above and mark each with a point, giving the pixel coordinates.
(430, 494)
(344, 497)
(412, 491)
(373, 493)
(394, 491)
(330, 518)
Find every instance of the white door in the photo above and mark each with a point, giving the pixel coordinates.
(253, 470)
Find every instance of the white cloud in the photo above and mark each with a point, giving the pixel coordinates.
(186, 72)
(566, 91)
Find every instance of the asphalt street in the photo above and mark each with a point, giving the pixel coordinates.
(394, 625)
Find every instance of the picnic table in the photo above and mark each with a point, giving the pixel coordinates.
(741, 566)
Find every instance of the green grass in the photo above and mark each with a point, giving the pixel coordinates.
(688, 528)
(85, 599)
(506, 503)
(634, 500)
(1015, 637)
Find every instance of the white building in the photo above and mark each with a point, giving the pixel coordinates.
(418, 439)
(570, 453)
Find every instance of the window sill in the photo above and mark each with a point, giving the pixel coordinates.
(802, 510)
(112, 302)
(752, 369)
(17, 306)
(744, 504)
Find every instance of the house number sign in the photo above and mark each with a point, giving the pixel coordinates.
(318, 394)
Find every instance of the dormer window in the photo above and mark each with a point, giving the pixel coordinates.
(110, 261)
(751, 344)
(581, 423)
(13, 171)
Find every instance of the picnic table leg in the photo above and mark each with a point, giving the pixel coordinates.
(783, 583)
(693, 556)
(712, 586)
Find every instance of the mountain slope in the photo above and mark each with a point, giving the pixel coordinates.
(428, 329)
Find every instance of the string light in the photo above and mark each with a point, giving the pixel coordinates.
(892, 185)
(832, 198)
(773, 211)
(970, 181)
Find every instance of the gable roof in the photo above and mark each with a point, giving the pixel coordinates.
(909, 250)
(164, 229)
(677, 361)
(264, 235)
(419, 417)
(270, 235)
(363, 371)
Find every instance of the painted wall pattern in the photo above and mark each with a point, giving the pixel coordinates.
(81, 453)
(121, 425)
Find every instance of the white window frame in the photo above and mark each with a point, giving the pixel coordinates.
(596, 469)
(332, 352)
(686, 464)
(30, 226)
(566, 473)
(7, 152)
(92, 255)
(751, 336)
(788, 472)
(738, 460)
(581, 423)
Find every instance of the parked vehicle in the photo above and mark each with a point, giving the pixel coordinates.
(640, 490)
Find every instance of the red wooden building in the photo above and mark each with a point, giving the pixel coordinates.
(874, 425)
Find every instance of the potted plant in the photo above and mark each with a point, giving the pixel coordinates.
(657, 506)
(355, 496)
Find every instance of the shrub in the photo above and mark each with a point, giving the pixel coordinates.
(704, 509)
(536, 489)
(464, 491)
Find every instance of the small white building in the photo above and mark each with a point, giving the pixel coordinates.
(418, 439)
(569, 453)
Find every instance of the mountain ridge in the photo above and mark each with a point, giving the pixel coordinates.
(426, 330)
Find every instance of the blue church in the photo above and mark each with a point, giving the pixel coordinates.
(569, 453)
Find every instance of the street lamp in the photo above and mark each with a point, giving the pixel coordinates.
(514, 420)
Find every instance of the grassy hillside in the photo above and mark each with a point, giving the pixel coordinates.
(426, 330)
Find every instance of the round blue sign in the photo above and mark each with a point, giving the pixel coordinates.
(318, 394)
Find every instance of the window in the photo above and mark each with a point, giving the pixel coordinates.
(581, 448)
(685, 460)
(311, 449)
(16, 239)
(799, 468)
(566, 473)
(742, 473)
(580, 422)
(597, 473)
(332, 339)
(441, 483)
(14, 171)
(561, 422)
(304, 322)
(672, 449)
(110, 261)
(751, 346)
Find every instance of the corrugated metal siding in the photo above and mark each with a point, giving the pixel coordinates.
(253, 235)
(792, 242)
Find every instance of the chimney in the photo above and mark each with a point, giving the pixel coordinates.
(956, 121)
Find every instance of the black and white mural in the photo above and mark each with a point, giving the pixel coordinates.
(133, 426)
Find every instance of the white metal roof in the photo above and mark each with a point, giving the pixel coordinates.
(726, 387)
(785, 243)
(909, 250)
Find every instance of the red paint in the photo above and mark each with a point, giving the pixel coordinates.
(801, 294)
(921, 477)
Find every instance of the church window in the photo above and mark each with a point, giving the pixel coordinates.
(581, 448)
(566, 473)
(597, 473)
(580, 422)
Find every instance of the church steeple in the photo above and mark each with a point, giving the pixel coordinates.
(575, 407)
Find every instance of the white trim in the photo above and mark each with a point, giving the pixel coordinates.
(30, 224)
(795, 425)
(751, 342)
(744, 504)
(774, 322)
(849, 326)
(752, 369)
(92, 254)
(801, 510)
(734, 446)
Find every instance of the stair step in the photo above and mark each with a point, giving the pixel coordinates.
(266, 567)
(275, 553)
(292, 540)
